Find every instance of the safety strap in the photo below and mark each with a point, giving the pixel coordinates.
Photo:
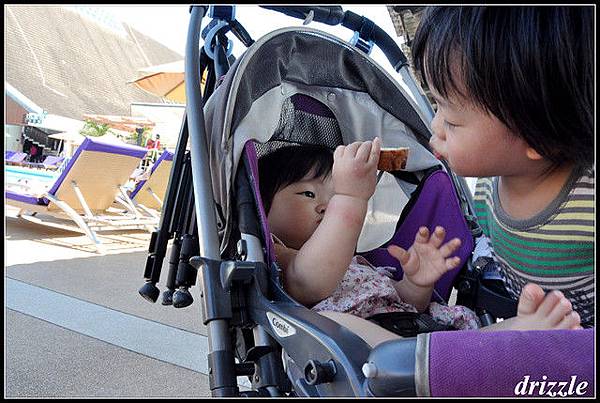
(408, 324)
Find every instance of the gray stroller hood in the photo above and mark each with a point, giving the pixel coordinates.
(364, 99)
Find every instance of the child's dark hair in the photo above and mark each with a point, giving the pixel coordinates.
(531, 67)
(290, 164)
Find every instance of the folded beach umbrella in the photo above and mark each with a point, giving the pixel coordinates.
(165, 80)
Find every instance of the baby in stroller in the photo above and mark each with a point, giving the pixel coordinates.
(316, 203)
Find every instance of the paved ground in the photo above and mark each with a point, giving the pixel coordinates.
(75, 325)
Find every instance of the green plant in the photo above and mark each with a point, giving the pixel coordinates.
(94, 129)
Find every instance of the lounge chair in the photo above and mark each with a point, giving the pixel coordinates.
(149, 193)
(51, 162)
(17, 158)
(85, 191)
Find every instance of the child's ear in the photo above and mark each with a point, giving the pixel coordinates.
(532, 154)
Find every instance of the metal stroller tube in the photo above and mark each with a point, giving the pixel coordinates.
(221, 362)
(201, 180)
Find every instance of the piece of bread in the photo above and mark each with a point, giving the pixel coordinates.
(393, 159)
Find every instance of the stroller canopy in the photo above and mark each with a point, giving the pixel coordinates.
(254, 103)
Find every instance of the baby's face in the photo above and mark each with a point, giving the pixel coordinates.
(297, 210)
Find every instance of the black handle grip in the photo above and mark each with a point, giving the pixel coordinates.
(385, 42)
(335, 15)
(330, 15)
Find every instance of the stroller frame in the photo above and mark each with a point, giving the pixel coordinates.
(263, 334)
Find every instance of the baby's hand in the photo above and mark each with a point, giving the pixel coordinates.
(427, 259)
(355, 167)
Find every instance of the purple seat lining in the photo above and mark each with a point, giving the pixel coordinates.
(479, 363)
(311, 106)
(437, 204)
(250, 154)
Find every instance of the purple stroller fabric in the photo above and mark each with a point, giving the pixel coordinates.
(437, 204)
(506, 363)
(250, 154)
(310, 105)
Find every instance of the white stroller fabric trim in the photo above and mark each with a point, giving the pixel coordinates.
(382, 214)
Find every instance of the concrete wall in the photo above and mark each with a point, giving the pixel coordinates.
(12, 137)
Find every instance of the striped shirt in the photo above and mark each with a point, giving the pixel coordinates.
(554, 249)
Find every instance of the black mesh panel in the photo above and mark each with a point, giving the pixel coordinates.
(300, 127)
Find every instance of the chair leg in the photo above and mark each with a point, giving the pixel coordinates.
(24, 211)
(158, 200)
(80, 222)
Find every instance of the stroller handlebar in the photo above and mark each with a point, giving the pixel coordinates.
(335, 15)
(330, 15)
(379, 37)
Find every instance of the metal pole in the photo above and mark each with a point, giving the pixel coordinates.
(205, 213)
(221, 362)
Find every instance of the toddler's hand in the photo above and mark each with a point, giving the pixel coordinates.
(355, 167)
(427, 259)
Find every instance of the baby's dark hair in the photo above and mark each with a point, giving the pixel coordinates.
(290, 164)
(531, 67)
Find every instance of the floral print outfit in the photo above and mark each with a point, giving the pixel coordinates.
(366, 291)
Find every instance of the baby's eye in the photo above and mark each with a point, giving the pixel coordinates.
(307, 193)
(450, 125)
